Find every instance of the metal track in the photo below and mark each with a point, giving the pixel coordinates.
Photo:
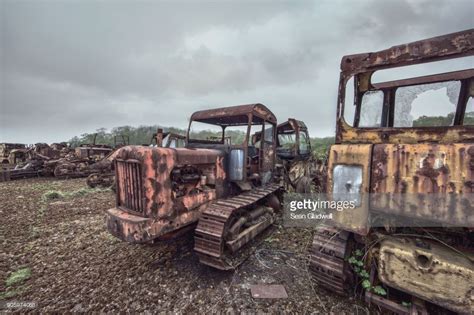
(210, 234)
(327, 261)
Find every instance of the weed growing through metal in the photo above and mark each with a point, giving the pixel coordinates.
(358, 265)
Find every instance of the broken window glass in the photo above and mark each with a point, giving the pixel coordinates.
(287, 140)
(268, 133)
(371, 109)
(469, 114)
(304, 148)
(349, 108)
(431, 104)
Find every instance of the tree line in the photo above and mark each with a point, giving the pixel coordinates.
(142, 135)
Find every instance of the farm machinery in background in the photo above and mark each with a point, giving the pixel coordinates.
(32, 161)
(408, 245)
(12, 153)
(224, 188)
(103, 171)
(59, 160)
(300, 170)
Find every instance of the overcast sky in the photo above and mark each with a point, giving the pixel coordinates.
(69, 67)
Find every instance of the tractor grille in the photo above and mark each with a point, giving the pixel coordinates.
(129, 185)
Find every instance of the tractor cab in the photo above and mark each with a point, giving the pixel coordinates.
(229, 129)
(293, 142)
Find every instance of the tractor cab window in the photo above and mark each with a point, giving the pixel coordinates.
(235, 135)
(287, 140)
(371, 109)
(349, 107)
(304, 143)
(268, 134)
(469, 114)
(423, 105)
(201, 131)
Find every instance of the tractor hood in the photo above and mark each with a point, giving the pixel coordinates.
(166, 183)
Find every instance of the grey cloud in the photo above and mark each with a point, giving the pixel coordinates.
(72, 67)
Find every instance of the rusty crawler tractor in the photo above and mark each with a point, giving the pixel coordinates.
(227, 189)
(413, 174)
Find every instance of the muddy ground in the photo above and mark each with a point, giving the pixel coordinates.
(76, 265)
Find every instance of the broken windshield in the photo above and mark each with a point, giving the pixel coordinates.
(426, 104)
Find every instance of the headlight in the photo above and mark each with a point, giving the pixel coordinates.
(236, 164)
(347, 182)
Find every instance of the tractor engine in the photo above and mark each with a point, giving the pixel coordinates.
(160, 190)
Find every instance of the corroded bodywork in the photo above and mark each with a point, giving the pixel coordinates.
(429, 271)
(299, 171)
(165, 187)
(413, 178)
(355, 220)
(7, 148)
(403, 173)
(227, 188)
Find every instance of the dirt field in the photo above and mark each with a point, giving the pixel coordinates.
(57, 253)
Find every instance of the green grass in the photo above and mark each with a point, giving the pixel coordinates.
(43, 186)
(18, 277)
(52, 195)
(10, 293)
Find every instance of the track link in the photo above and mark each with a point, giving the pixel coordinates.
(210, 234)
(327, 260)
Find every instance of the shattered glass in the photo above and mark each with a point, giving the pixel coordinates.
(431, 104)
(469, 114)
(349, 108)
(371, 109)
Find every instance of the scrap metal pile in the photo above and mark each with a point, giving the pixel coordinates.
(57, 159)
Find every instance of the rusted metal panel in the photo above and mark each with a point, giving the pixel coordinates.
(352, 155)
(429, 271)
(165, 186)
(402, 174)
(437, 48)
(387, 304)
(226, 115)
(348, 134)
(138, 229)
(362, 66)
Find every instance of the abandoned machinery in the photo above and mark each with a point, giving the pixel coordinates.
(408, 246)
